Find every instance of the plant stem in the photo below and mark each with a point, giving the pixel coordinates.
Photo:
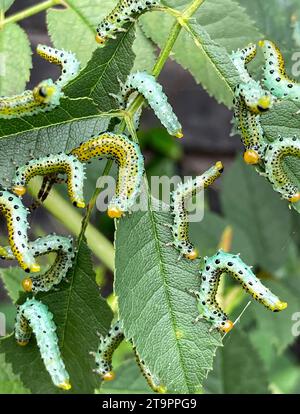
(31, 11)
(192, 8)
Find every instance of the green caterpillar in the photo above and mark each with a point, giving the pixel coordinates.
(65, 253)
(59, 163)
(179, 197)
(17, 225)
(125, 11)
(147, 85)
(275, 153)
(130, 160)
(34, 316)
(213, 267)
(276, 79)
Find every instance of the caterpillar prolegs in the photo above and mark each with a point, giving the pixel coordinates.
(256, 99)
(179, 199)
(130, 160)
(103, 358)
(275, 77)
(275, 154)
(33, 316)
(17, 225)
(46, 95)
(152, 91)
(213, 267)
(65, 252)
(59, 163)
(125, 11)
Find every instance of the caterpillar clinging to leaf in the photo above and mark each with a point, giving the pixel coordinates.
(17, 225)
(59, 163)
(103, 357)
(130, 160)
(65, 252)
(276, 153)
(34, 317)
(44, 97)
(152, 91)
(124, 12)
(213, 267)
(276, 78)
(179, 198)
(67, 60)
(256, 99)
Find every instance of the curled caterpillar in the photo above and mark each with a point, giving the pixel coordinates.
(256, 99)
(151, 379)
(33, 316)
(125, 11)
(67, 60)
(251, 131)
(65, 252)
(275, 77)
(44, 97)
(130, 160)
(17, 225)
(213, 267)
(103, 357)
(152, 91)
(59, 163)
(275, 154)
(179, 197)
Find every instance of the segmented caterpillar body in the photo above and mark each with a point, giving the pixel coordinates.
(213, 267)
(153, 382)
(130, 160)
(147, 85)
(59, 163)
(251, 131)
(179, 198)
(17, 225)
(275, 154)
(108, 344)
(67, 60)
(33, 316)
(65, 252)
(256, 99)
(44, 97)
(275, 77)
(125, 11)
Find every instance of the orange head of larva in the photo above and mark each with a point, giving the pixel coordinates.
(279, 306)
(264, 103)
(227, 326)
(109, 376)
(251, 157)
(43, 93)
(19, 190)
(22, 343)
(100, 40)
(261, 43)
(192, 255)
(27, 284)
(295, 198)
(114, 212)
(66, 386)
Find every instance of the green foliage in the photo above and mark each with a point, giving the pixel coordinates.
(238, 368)
(15, 58)
(76, 308)
(244, 207)
(150, 283)
(153, 303)
(5, 4)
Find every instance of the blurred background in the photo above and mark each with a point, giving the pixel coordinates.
(243, 214)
